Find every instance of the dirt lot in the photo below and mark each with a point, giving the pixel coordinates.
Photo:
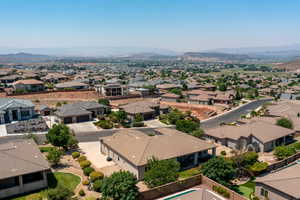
(201, 111)
(51, 99)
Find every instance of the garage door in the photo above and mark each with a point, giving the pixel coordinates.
(83, 118)
(67, 120)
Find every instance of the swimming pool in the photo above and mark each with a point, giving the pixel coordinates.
(180, 194)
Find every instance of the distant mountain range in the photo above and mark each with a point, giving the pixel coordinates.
(24, 58)
(253, 54)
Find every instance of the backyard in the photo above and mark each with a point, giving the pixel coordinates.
(68, 180)
(247, 188)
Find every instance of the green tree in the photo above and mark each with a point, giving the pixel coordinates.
(104, 102)
(198, 133)
(187, 126)
(54, 156)
(177, 91)
(285, 122)
(222, 87)
(282, 152)
(219, 169)
(59, 193)
(160, 172)
(59, 136)
(120, 186)
(138, 118)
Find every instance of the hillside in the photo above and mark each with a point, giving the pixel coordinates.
(214, 56)
(23, 58)
(290, 66)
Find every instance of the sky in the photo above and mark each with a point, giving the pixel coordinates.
(179, 25)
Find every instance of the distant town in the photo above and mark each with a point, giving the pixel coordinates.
(196, 126)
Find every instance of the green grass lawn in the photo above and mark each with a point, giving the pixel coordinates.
(189, 173)
(247, 188)
(58, 178)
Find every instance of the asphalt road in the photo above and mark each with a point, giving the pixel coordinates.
(234, 115)
(231, 116)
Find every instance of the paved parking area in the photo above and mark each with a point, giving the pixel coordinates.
(92, 151)
(83, 127)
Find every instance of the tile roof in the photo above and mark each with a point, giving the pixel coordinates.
(165, 143)
(20, 157)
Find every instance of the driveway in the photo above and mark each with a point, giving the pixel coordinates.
(233, 115)
(83, 127)
(92, 151)
(155, 123)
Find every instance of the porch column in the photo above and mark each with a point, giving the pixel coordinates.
(21, 186)
(2, 120)
(74, 120)
(196, 158)
(19, 114)
(214, 151)
(45, 178)
(284, 139)
(10, 115)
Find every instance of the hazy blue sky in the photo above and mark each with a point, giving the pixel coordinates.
(173, 24)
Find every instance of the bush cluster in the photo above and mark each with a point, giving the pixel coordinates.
(222, 191)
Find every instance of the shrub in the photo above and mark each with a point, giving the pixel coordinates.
(36, 196)
(223, 153)
(75, 154)
(221, 191)
(81, 193)
(84, 164)
(97, 185)
(85, 182)
(59, 193)
(88, 170)
(282, 152)
(296, 145)
(96, 176)
(197, 133)
(81, 158)
(285, 122)
(105, 124)
(138, 124)
(259, 167)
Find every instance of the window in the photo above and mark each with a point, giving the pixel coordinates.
(9, 183)
(25, 113)
(28, 178)
(264, 192)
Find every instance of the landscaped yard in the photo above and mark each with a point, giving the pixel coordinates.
(58, 178)
(189, 173)
(247, 188)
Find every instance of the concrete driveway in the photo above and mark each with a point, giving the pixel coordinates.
(92, 151)
(83, 127)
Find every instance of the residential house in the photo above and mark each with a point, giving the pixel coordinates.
(115, 89)
(23, 168)
(171, 97)
(282, 184)
(28, 85)
(257, 135)
(15, 110)
(54, 78)
(71, 85)
(147, 109)
(79, 112)
(161, 143)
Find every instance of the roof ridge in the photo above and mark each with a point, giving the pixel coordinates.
(146, 147)
(280, 179)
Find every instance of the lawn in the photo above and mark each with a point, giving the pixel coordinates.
(58, 178)
(247, 188)
(189, 173)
